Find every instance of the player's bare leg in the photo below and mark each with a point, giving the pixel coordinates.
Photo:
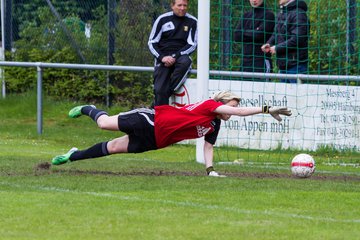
(108, 122)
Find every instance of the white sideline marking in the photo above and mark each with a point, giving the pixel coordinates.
(355, 165)
(188, 204)
(272, 165)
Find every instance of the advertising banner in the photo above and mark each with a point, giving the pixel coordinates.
(323, 115)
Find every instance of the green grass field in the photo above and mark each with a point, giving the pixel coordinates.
(162, 194)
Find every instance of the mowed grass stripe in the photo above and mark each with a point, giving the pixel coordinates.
(185, 204)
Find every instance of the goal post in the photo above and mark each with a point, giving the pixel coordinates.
(203, 53)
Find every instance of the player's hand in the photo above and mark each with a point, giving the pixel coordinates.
(275, 112)
(265, 48)
(215, 174)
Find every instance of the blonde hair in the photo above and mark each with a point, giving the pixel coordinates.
(225, 97)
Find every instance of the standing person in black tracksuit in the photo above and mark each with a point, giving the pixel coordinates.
(173, 38)
(254, 29)
(290, 39)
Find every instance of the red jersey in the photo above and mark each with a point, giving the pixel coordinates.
(191, 121)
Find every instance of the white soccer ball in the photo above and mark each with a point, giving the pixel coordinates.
(302, 165)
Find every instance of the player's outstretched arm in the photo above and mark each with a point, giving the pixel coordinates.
(239, 111)
(275, 112)
(208, 156)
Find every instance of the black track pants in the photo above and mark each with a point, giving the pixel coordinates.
(169, 79)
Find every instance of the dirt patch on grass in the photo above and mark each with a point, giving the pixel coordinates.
(42, 166)
(45, 168)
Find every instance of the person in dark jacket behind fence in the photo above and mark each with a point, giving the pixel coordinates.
(290, 39)
(254, 29)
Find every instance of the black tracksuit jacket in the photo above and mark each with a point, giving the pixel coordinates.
(291, 35)
(173, 36)
(254, 29)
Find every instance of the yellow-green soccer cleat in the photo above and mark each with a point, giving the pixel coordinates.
(61, 159)
(76, 111)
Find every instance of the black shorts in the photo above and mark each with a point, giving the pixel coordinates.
(139, 125)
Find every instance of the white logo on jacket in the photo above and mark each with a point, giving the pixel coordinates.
(168, 27)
